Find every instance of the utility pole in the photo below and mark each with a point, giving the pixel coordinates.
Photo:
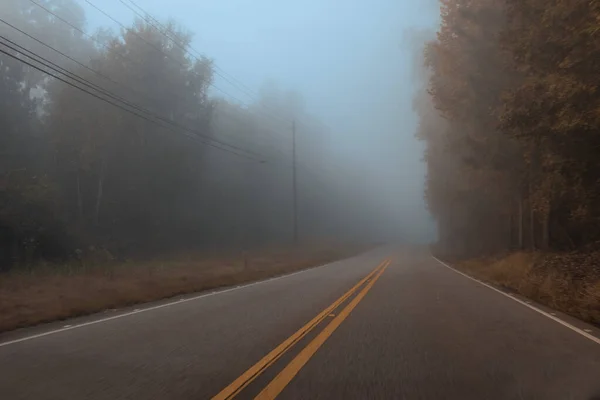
(295, 194)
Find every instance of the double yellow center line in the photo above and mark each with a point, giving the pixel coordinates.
(287, 374)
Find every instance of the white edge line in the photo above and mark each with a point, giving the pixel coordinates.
(544, 313)
(68, 328)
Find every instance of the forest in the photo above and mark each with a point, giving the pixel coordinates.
(117, 145)
(510, 113)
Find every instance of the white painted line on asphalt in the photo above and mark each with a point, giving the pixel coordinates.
(138, 311)
(544, 313)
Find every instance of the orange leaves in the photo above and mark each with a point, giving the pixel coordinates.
(560, 56)
(474, 169)
(517, 83)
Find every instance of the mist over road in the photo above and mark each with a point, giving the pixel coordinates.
(390, 323)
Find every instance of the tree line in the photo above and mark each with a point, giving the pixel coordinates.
(116, 145)
(509, 110)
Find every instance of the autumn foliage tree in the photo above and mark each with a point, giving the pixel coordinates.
(555, 46)
(512, 160)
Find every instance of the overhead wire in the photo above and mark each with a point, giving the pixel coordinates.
(73, 26)
(119, 83)
(122, 25)
(91, 85)
(95, 40)
(238, 152)
(57, 69)
(200, 57)
(104, 45)
(219, 71)
(96, 72)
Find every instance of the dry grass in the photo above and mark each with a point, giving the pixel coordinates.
(561, 281)
(47, 294)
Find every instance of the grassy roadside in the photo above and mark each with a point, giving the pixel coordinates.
(47, 294)
(566, 282)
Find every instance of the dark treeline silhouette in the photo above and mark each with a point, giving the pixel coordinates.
(151, 162)
(510, 113)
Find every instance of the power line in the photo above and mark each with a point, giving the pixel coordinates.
(49, 64)
(222, 73)
(113, 81)
(57, 68)
(222, 110)
(81, 64)
(109, 49)
(154, 47)
(60, 52)
(285, 157)
(218, 70)
(95, 40)
(21, 50)
(195, 137)
(76, 77)
(198, 55)
(104, 91)
(118, 54)
(105, 46)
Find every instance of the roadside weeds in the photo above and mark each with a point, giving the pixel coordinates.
(559, 281)
(45, 295)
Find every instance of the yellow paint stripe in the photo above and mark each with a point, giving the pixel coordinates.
(253, 372)
(289, 372)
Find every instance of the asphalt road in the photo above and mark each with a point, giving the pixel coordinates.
(355, 329)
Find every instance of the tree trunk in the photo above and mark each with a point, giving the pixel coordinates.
(533, 176)
(510, 236)
(531, 226)
(546, 230)
(521, 220)
(79, 199)
(16, 251)
(99, 192)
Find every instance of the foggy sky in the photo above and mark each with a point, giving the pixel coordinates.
(350, 60)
